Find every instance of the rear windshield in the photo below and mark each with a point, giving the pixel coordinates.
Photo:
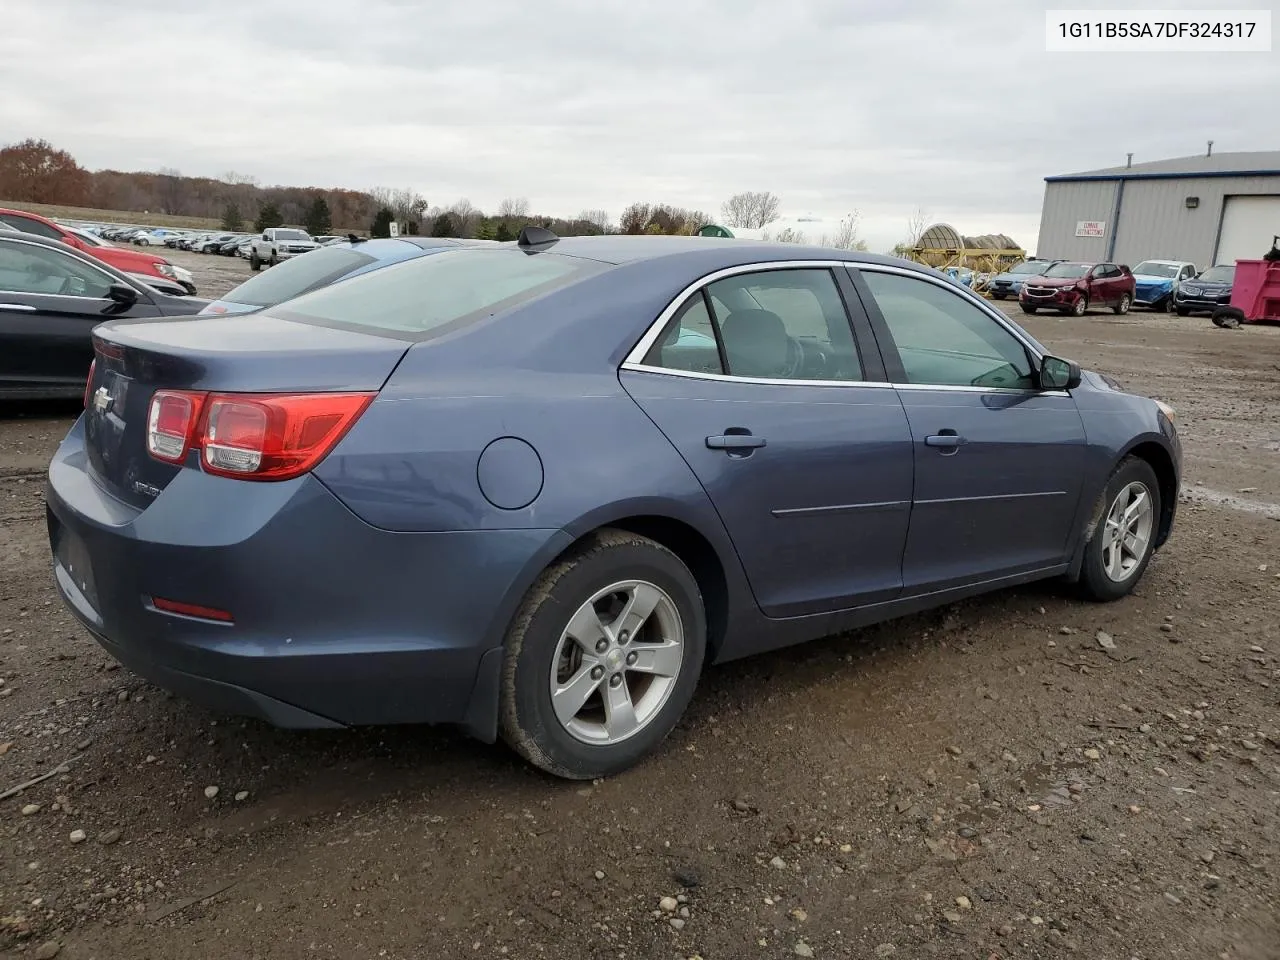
(287, 280)
(424, 294)
(1068, 270)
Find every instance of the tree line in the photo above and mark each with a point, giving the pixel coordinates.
(36, 171)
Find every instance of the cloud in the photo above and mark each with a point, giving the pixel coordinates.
(834, 105)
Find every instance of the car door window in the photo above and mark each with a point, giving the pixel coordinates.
(28, 268)
(773, 324)
(943, 340)
(30, 225)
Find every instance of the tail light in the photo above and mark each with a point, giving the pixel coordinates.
(88, 383)
(251, 436)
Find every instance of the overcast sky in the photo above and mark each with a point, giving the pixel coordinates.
(835, 105)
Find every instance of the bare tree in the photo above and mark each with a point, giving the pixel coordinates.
(465, 216)
(846, 237)
(752, 209)
(171, 190)
(513, 208)
(916, 224)
(239, 179)
(599, 218)
(788, 235)
(407, 205)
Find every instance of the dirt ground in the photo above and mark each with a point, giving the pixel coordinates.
(982, 781)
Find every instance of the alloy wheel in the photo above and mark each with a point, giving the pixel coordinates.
(617, 662)
(1127, 532)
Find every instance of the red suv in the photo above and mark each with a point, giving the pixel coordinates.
(141, 265)
(1073, 287)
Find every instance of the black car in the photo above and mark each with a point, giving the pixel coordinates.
(1206, 292)
(51, 298)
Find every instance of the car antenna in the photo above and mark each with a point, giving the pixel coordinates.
(531, 236)
(352, 238)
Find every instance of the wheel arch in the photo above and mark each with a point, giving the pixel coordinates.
(1161, 461)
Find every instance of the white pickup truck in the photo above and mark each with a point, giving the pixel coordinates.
(279, 243)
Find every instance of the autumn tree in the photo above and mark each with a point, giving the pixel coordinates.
(751, 209)
(268, 216)
(232, 222)
(319, 221)
(37, 172)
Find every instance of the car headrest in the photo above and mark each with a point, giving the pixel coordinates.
(756, 343)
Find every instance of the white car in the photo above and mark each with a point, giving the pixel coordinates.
(152, 238)
(1156, 280)
(279, 243)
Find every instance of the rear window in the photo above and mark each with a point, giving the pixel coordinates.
(287, 280)
(425, 294)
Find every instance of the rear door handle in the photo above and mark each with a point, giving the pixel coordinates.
(18, 307)
(735, 441)
(946, 440)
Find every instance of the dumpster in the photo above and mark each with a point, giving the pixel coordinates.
(1255, 294)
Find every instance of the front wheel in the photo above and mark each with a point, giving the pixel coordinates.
(1123, 540)
(998, 296)
(602, 657)
(1181, 311)
(1079, 308)
(274, 260)
(1027, 308)
(1122, 307)
(254, 262)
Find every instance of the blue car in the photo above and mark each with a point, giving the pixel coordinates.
(1156, 282)
(534, 489)
(1009, 283)
(329, 264)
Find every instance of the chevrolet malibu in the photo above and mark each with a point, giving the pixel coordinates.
(532, 489)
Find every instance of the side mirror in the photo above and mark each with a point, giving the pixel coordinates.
(1059, 374)
(122, 294)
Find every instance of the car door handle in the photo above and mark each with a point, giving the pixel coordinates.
(18, 307)
(946, 440)
(735, 441)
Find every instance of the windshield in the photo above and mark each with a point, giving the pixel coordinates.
(287, 280)
(1068, 270)
(1149, 268)
(1218, 275)
(427, 293)
(291, 235)
(1031, 266)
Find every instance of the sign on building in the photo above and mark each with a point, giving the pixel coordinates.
(1091, 228)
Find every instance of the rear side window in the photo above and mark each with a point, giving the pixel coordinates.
(427, 293)
(287, 280)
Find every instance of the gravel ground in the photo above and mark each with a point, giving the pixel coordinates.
(987, 780)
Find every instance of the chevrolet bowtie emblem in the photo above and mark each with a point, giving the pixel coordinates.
(102, 400)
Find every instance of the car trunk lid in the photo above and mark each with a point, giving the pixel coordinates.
(253, 354)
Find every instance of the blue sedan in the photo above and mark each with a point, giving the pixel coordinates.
(532, 489)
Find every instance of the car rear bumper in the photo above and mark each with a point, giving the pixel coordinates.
(336, 622)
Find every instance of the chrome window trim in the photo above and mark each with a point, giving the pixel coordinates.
(634, 360)
(71, 252)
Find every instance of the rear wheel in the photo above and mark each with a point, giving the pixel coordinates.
(1123, 540)
(1123, 306)
(602, 658)
(254, 262)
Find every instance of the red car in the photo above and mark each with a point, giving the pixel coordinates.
(141, 265)
(1073, 287)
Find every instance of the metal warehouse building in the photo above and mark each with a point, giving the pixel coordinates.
(1215, 208)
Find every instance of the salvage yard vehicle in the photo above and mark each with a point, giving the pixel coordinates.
(277, 244)
(177, 281)
(498, 486)
(1073, 287)
(1205, 292)
(1156, 280)
(1011, 280)
(1255, 293)
(51, 298)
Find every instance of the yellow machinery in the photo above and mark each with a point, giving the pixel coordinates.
(943, 247)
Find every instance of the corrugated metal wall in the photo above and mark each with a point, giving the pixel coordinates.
(1066, 203)
(1154, 221)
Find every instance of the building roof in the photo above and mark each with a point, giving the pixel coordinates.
(1260, 163)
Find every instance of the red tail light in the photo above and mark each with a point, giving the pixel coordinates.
(88, 384)
(251, 436)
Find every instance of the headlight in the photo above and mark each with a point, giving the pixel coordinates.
(167, 269)
(181, 274)
(1167, 410)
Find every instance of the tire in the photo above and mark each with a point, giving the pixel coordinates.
(998, 296)
(1111, 570)
(1181, 311)
(1028, 308)
(1228, 317)
(254, 262)
(273, 261)
(540, 651)
(1080, 307)
(1122, 307)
